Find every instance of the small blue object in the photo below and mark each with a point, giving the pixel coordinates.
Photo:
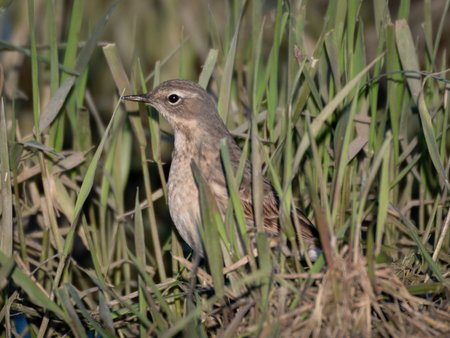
(21, 323)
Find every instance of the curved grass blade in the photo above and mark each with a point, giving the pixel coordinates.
(408, 57)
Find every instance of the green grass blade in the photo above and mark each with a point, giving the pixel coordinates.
(87, 316)
(30, 287)
(164, 309)
(234, 197)
(34, 65)
(6, 222)
(84, 192)
(364, 193)
(408, 56)
(211, 220)
(74, 321)
(328, 111)
(383, 201)
(415, 237)
(105, 313)
(208, 68)
(56, 102)
(225, 83)
(139, 243)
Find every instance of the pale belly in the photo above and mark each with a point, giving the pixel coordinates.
(183, 204)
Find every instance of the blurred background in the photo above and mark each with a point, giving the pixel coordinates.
(178, 32)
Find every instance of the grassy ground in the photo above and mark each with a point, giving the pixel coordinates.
(344, 105)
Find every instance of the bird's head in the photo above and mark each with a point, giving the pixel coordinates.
(185, 105)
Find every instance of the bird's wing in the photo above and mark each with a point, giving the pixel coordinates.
(271, 213)
(270, 202)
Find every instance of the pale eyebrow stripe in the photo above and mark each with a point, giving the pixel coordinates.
(183, 93)
(186, 93)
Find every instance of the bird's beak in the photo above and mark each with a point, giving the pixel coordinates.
(138, 98)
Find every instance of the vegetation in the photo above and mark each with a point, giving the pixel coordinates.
(341, 105)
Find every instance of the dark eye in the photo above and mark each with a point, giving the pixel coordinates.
(173, 98)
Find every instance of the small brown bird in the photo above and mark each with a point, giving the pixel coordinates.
(198, 129)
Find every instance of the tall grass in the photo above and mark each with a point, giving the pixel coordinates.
(345, 113)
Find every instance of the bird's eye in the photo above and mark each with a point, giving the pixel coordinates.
(173, 98)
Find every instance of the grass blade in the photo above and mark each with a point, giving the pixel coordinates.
(208, 68)
(328, 111)
(410, 63)
(225, 83)
(31, 288)
(55, 104)
(413, 233)
(6, 225)
(211, 221)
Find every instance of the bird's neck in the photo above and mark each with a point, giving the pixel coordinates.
(184, 144)
(193, 142)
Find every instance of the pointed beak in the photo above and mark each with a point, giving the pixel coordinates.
(138, 98)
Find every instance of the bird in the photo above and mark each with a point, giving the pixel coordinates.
(198, 130)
